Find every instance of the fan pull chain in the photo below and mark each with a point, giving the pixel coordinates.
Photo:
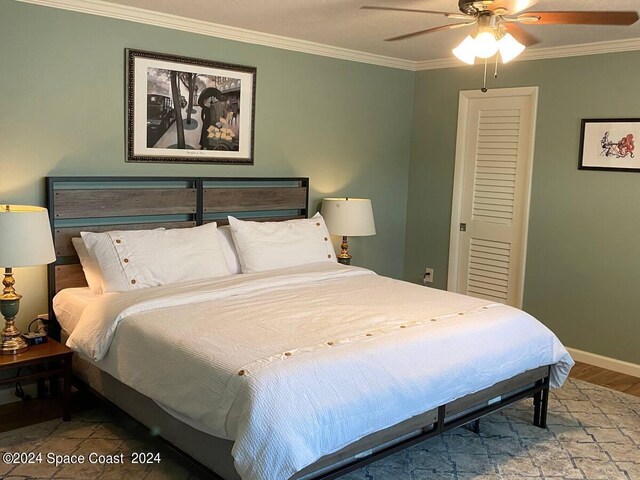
(484, 82)
(495, 74)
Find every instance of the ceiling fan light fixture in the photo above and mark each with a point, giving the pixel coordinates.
(466, 51)
(485, 43)
(509, 47)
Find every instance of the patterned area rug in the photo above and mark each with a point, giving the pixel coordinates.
(594, 434)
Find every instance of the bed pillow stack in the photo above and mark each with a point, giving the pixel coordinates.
(270, 245)
(121, 261)
(229, 249)
(89, 264)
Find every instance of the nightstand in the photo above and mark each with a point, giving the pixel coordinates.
(42, 357)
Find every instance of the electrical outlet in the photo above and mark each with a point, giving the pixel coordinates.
(428, 276)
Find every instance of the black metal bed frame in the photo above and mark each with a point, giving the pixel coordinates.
(539, 391)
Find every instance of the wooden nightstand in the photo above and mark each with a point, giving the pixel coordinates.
(40, 356)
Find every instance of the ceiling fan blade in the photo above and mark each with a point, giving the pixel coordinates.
(412, 10)
(428, 30)
(520, 34)
(582, 18)
(512, 6)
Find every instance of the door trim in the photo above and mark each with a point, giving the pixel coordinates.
(456, 204)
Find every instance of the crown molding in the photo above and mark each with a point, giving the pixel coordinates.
(611, 46)
(158, 19)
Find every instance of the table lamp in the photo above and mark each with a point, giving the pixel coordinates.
(348, 217)
(25, 240)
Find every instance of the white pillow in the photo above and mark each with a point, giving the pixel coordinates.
(269, 245)
(89, 265)
(229, 249)
(136, 259)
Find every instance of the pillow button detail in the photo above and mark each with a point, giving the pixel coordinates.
(329, 256)
(133, 281)
(126, 260)
(118, 241)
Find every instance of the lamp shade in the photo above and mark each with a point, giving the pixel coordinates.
(348, 217)
(466, 51)
(486, 44)
(509, 48)
(25, 236)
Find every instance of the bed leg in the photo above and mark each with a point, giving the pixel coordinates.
(475, 426)
(537, 406)
(541, 404)
(544, 407)
(536, 409)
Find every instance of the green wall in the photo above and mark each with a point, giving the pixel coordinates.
(345, 125)
(583, 258)
(354, 129)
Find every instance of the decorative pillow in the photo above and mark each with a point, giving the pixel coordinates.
(136, 259)
(89, 265)
(269, 245)
(229, 249)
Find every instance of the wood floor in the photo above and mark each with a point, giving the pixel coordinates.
(606, 378)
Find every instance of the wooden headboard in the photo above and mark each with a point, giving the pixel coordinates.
(99, 204)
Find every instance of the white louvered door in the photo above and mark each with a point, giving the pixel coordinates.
(491, 194)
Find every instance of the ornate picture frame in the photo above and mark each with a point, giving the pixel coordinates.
(216, 102)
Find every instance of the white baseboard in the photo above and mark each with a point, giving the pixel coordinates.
(605, 362)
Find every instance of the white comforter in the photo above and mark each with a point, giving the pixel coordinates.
(298, 363)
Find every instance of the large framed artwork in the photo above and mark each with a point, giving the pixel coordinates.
(187, 110)
(609, 144)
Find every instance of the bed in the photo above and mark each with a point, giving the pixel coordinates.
(300, 372)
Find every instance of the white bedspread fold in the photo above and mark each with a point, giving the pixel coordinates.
(298, 363)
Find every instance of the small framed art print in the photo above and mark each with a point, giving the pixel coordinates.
(609, 144)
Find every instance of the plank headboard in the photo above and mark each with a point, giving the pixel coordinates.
(99, 204)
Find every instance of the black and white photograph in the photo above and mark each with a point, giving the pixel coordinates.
(183, 110)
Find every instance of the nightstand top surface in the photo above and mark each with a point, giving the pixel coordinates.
(35, 353)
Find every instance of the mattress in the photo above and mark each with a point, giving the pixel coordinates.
(298, 363)
(69, 304)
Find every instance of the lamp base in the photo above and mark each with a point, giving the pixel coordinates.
(344, 260)
(13, 345)
(11, 341)
(344, 257)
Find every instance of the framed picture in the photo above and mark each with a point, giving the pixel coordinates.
(609, 144)
(186, 110)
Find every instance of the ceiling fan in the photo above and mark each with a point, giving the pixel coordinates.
(498, 25)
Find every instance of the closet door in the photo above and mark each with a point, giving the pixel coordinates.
(494, 157)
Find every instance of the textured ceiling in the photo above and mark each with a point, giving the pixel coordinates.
(341, 23)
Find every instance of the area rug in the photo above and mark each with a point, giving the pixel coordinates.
(593, 434)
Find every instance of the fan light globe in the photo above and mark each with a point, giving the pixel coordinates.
(485, 44)
(509, 48)
(466, 51)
